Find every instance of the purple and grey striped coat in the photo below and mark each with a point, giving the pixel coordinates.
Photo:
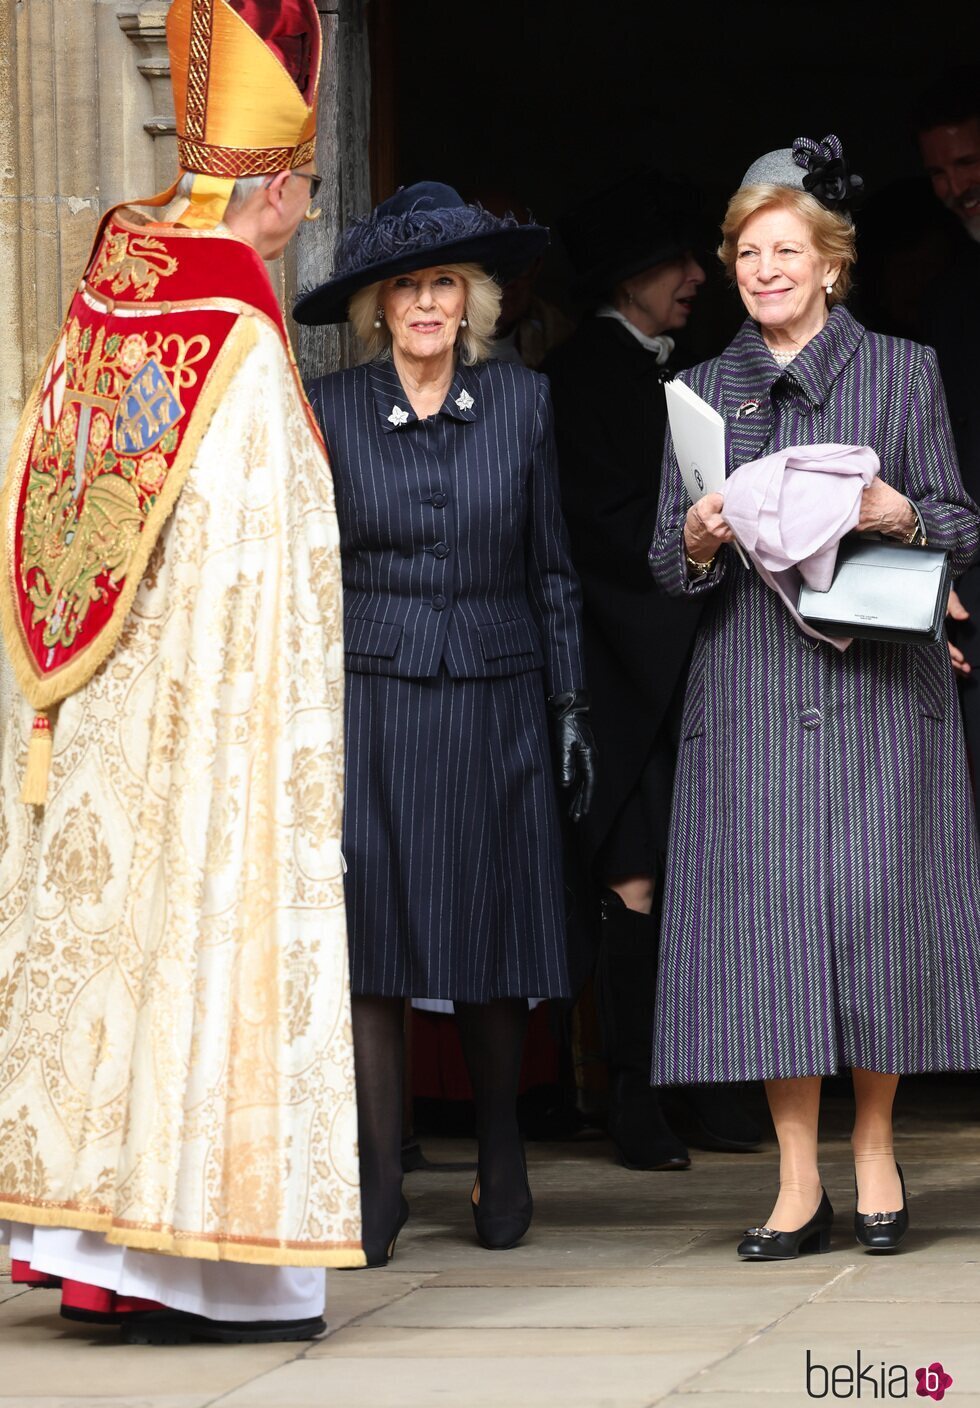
(822, 897)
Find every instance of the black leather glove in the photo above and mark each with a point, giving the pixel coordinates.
(575, 746)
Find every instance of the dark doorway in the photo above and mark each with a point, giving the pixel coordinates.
(547, 100)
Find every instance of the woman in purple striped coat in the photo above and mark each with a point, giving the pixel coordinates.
(823, 888)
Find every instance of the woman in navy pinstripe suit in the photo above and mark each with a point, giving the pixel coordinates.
(462, 633)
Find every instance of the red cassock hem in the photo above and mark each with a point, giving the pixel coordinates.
(79, 1295)
(22, 1273)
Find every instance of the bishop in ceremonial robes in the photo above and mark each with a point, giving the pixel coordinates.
(177, 1112)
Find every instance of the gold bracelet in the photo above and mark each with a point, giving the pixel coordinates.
(700, 569)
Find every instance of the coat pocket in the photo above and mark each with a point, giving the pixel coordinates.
(377, 638)
(504, 640)
(932, 680)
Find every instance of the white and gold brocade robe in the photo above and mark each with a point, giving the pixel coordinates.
(176, 1067)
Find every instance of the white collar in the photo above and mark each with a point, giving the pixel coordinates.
(662, 345)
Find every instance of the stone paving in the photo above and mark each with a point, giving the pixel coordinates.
(625, 1294)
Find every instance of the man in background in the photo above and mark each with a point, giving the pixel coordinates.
(948, 125)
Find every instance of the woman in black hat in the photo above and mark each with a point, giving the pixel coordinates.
(632, 247)
(462, 640)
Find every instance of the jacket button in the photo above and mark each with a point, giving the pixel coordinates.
(439, 500)
(811, 718)
(439, 602)
(441, 550)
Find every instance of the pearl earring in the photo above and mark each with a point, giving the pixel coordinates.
(379, 315)
(830, 288)
(464, 322)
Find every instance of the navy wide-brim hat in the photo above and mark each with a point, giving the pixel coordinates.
(416, 228)
(641, 220)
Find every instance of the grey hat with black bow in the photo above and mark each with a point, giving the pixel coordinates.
(816, 167)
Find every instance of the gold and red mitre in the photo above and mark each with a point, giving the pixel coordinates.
(245, 77)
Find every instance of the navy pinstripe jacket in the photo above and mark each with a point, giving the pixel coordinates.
(454, 549)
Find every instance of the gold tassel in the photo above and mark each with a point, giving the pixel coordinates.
(35, 789)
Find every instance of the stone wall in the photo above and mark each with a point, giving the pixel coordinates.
(80, 130)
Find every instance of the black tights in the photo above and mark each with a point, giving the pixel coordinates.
(379, 1060)
(493, 1045)
(492, 1035)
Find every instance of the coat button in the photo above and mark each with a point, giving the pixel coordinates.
(439, 602)
(441, 550)
(439, 500)
(811, 718)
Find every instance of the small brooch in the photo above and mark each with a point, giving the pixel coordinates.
(747, 408)
(464, 400)
(398, 416)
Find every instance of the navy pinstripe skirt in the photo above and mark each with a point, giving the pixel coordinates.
(451, 837)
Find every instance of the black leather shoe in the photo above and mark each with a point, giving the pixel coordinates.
(381, 1254)
(714, 1119)
(765, 1244)
(882, 1231)
(626, 975)
(638, 1127)
(178, 1327)
(501, 1230)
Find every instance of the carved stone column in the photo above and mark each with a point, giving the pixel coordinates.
(86, 120)
(145, 24)
(342, 159)
(11, 305)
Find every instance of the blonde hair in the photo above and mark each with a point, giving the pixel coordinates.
(832, 234)
(481, 311)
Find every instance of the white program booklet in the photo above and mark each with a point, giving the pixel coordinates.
(698, 433)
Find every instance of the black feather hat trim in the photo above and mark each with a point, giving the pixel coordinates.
(827, 175)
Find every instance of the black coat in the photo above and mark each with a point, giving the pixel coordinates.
(610, 419)
(953, 328)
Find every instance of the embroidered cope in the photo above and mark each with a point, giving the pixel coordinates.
(176, 1067)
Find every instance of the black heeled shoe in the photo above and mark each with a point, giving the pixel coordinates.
(882, 1231)
(500, 1231)
(765, 1244)
(638, 1128)
(381, 1254)
(713, 1118)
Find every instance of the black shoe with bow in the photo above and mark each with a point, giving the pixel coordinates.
(766, 1244)
(882, 1231)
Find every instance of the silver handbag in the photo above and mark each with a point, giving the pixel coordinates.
(882, 591)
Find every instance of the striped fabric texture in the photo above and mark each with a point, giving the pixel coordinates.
(462, 613)
(822, 897)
